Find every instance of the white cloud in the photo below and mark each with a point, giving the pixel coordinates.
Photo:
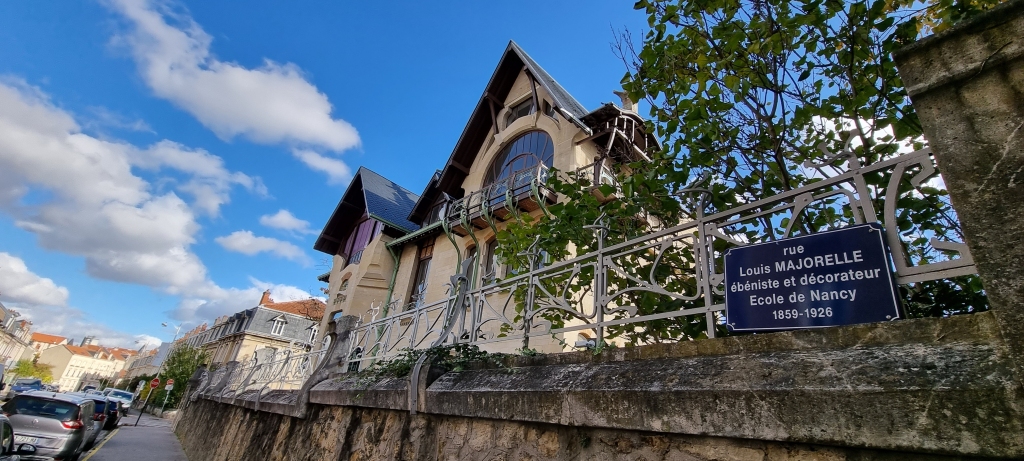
(270, 104)
(95, 206)
(245, 242)
(106, 118)
(210, 181)
(44, 303)
(285, 220)
(19, 285)
(232, 300)
(337, 171)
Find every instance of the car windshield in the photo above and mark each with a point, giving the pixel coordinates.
(121, 395)
(27, 382)
(32, 406)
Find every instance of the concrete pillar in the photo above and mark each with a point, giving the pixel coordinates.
(967, 85)
(335, 360)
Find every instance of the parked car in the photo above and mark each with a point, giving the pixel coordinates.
(24, 385)
(123, 397)
(88, 388)
(58, 425)
(106, 409)
(10, 449)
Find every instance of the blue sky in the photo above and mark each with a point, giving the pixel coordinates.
(167, 161)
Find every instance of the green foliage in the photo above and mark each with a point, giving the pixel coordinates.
(745, 93)
(28, 368)
(179, 366)
(455, 358)
(749, 98)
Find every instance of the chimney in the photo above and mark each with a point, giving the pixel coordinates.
(266, 299)
(627, 104)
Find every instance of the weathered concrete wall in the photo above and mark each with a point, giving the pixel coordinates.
(926, 386)
(354, 433)
(967, 86)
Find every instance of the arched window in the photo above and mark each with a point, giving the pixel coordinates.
(528, 150)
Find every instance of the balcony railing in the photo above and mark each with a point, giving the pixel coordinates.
(521, 191)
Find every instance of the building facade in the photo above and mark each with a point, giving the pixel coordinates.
(75, 367)
(15, 336)
(393, 250)
(269, 327)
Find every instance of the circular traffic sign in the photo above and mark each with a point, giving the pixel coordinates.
(154, 383)
(170, 381)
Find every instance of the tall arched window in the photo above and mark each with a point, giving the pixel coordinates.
(528, 150)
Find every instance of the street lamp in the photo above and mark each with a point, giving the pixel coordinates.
(159, 369)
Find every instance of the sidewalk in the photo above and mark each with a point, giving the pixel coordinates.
(151, 440)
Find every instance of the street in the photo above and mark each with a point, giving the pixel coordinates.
(151, 440)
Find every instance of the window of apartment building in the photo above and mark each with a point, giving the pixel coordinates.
(278, 327)
(359, 238)
(437, 210)
(490, 267)
(519, 110)
(419, 287)
(526, 151)
(471, 255)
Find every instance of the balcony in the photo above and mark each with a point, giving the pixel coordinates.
(522, 191)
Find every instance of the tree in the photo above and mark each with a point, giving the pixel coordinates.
(26, 368)
(748, 94)
(180, 364)
(749, 98)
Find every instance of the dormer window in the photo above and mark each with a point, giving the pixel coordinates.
(519, 110)
(278, 327)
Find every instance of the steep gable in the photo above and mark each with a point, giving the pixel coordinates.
(372, 194)
(479, 128)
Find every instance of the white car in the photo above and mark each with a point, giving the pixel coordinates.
(123, 397)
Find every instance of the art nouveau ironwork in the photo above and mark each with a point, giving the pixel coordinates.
(679, 267)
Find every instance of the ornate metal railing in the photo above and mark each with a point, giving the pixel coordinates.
(284, 370)
(672, 279)
(522, 190)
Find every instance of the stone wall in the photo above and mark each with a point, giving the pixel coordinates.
(354, 433)
(914, 388)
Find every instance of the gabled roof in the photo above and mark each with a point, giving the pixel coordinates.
(477, 130)
(374, 195)
(79, 350)
(309, 308)
(49, 339)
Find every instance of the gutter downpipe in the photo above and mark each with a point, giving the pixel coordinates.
(394, 277)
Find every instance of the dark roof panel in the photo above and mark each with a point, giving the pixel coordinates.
(562, 97)
(374, 195)
(387, 201)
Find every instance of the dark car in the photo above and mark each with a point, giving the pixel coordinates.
(24, 385)
(106, 409)
(57, 425)
(10, 449)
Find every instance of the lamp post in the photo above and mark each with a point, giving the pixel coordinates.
(159, 369)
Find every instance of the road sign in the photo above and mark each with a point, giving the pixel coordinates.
(839, 277)
(154, 383)
(168, 387)
(170, 381)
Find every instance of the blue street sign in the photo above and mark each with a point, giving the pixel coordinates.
(839, 277)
